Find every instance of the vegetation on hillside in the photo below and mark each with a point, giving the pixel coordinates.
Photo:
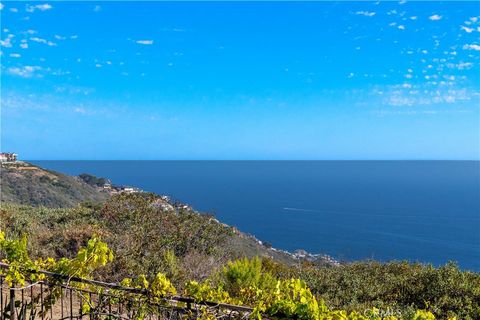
(93, 180)
(28, 184)
(200, 258)
(243, 282)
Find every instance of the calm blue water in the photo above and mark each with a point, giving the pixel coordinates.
(426, 211)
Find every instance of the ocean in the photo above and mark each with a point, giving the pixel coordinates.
(425, 211)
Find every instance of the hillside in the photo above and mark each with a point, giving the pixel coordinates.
(147, 236)
(24, 183)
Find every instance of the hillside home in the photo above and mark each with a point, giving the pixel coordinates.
(8, 157)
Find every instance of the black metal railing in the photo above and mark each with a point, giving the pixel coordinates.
(63, 297)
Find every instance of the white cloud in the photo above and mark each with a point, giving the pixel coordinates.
(467, 29)
(41, 7)
(460, 65)
(427, 94)
(39, 40)
(97, 8)
(58, 37)
(44, 41)
(1, 6)
(401, 27)
(145, 42)
(6, 43)
(13, 10)
(475, 47)
(80, 110)
(15, 55)
(24, 72)
(98, 65)
(413, 18)
(366, 13)
(435, 17)
(73, 37)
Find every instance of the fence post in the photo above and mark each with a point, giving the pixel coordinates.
(12, 304)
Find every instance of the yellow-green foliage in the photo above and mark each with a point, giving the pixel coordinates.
(244, 282)
(206, 292)
(246, 273)
(186, 246)
(239, 282)
(16, 255)
(95, 255)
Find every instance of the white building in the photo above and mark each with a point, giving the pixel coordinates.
(8, 157)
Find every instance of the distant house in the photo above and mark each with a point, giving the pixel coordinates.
(125, 189)
(128, 189)
(8, 157)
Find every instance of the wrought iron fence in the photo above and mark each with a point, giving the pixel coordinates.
(62, 297)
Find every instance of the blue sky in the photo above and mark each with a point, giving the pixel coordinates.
(240, 80)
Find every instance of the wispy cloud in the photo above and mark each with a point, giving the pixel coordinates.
(460, 65)
(22, 104)
(15, 55)
(145, 42)
(40, 7)
(24, 71)
(435, 17)
(80, 110)
(467, 29)
(29, 32)
(44, 41)
(97, 8)
(7, 43)
(442, 93)
(366, 13)
(1, 6)
(475, 47)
